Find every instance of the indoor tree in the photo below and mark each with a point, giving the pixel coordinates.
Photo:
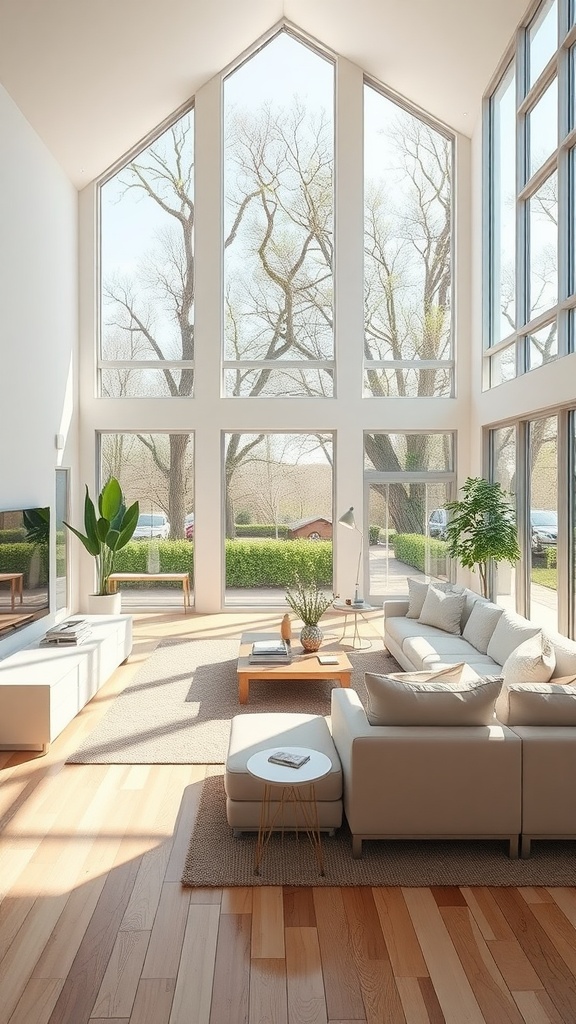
(482, 528)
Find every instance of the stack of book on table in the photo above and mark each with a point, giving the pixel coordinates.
(270, 652)
(69, 633)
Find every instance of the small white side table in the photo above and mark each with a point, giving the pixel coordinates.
(289, 787)
(355, 641)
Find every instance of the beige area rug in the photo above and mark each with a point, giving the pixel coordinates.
(178, 708)
(216, 859)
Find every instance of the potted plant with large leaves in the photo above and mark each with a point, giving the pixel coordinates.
(482, 528)
(106, 533)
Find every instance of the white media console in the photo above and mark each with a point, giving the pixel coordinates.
(43, 688)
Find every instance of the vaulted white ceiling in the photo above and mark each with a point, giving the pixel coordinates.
(94, 76)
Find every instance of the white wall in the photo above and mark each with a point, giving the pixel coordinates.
(38, 322)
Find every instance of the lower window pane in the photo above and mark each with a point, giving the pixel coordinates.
(278, 514)
(157, 470)
(543, 346)
(503, 455)
(146, 383)
(408, 383)
(407, 535)
(296, 383)
(543, 463)
(503, 366)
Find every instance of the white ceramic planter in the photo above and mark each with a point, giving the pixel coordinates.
(104, 604)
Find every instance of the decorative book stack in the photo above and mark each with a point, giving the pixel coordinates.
(270, 652)
(70, 633)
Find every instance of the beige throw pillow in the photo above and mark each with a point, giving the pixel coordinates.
(511, 631)
(454, 696)
(532, 662)
(551, 703)
(481, 624)
(417, 591)
(443, 610)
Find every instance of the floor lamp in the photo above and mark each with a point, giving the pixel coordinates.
(348, 520)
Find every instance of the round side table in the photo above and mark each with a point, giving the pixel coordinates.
(288, 787)
(354, 640)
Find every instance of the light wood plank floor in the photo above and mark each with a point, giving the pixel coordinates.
(95, 927)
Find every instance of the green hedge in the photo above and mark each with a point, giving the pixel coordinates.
(261, 530)
(258, 563)
(269, 564)
(411, 548)
(374, 534)
(14, 536)
(21, 557)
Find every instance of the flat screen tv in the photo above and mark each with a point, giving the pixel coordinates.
(24, 567)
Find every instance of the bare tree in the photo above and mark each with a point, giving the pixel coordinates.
(279, 262)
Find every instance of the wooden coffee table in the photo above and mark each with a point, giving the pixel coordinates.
(304, 665)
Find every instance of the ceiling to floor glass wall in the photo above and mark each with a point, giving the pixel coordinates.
(250, 251)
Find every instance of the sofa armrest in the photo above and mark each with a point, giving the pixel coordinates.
(348, 720)
(395, 609)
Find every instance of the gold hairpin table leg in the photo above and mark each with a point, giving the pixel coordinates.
(302, 800)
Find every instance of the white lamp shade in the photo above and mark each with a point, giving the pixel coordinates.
(348, 519)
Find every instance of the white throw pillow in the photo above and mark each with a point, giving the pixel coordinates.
(442, 610)
(532, 662)
(417, 591)
(565, 651)
(551, 703)
(481, 624)
(455, 696)
(511, 630)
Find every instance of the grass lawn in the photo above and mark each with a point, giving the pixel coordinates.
(545, 577)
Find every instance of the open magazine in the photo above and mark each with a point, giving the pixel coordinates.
(288, 759)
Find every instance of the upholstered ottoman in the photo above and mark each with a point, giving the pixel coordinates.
(250, 733)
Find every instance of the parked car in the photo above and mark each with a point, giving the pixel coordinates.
(437, 523)
(544, 523)
(189, 526)
(149, 526)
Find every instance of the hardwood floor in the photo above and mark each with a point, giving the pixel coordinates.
(95, 926)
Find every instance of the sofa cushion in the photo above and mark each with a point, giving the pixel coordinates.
(442, 609)
(417, 591)
(253, 732)
(455, 696)
(551, 703)
(511, 630)
(479, 663)
(416, 648)
(481, 624)
(532, 662)
(472, 599)
(565, 653)
(399, 628)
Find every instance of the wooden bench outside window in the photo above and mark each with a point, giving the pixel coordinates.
(125, 577)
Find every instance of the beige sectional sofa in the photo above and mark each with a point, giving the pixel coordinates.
(511, 778)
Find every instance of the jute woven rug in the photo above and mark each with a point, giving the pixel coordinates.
(216, 859)
(178, 708)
